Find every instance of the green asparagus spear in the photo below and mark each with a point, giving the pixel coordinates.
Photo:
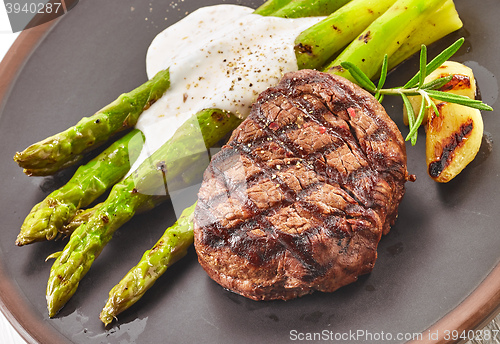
(88, 240)
(308, 8)
(83, 215)
(316, 45)
(384, 36)
(439, 24)
(66, 148)
(89, 182)
(271, 6)
(170, 247)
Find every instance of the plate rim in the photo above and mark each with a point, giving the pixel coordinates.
(17, 313)
(476, 310)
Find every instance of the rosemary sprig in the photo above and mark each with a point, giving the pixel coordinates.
(416, 87)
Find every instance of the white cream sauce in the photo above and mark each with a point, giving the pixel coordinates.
(221, 57)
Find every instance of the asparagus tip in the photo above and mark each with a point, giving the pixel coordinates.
(50, 306)
(24, 239)
(106, 317)
(21, 242)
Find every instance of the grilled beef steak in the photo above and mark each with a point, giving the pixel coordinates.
(299, 197)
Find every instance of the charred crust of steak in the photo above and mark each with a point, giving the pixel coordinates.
(299, 197)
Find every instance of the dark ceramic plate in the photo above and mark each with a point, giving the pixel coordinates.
(437, 269)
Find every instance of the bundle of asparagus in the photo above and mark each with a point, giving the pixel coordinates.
(374, 28)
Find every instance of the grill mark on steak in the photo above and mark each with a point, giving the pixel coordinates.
(238, 240)
(276, 135)
(292, 195)
(296, 244)
(286, 240)
(315, 115)
(316, 189)
(318, 116)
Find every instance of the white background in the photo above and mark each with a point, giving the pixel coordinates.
(4, 20)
